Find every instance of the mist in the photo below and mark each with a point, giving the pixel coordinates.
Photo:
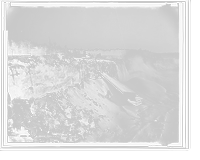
(152, 29)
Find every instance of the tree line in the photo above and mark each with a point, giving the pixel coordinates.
(27, 47)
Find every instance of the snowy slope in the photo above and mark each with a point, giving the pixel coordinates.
(92, 96)
(59, 99)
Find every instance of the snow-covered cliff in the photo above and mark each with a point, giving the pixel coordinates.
(59, 99)
(35, 76)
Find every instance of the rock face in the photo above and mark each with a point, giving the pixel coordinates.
(35, 76)
(58, 99)
(38, 89)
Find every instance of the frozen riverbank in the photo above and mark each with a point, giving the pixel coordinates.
(67, 100)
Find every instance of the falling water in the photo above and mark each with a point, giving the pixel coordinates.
(122, 72)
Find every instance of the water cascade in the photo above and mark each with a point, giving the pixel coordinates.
(122, 72)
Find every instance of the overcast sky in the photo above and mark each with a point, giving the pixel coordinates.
(149, 29)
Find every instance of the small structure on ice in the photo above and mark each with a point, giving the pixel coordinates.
(137, 101)
(133, 98)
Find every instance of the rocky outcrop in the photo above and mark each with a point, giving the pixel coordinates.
(32, 76)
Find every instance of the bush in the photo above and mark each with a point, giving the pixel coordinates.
(49, 118)
(80, 121)
(68, 112)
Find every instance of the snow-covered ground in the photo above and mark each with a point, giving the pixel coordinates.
(116, 120)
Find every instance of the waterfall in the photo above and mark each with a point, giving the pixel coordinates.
(122, 72)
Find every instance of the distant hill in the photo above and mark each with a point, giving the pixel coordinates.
(131, 52)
